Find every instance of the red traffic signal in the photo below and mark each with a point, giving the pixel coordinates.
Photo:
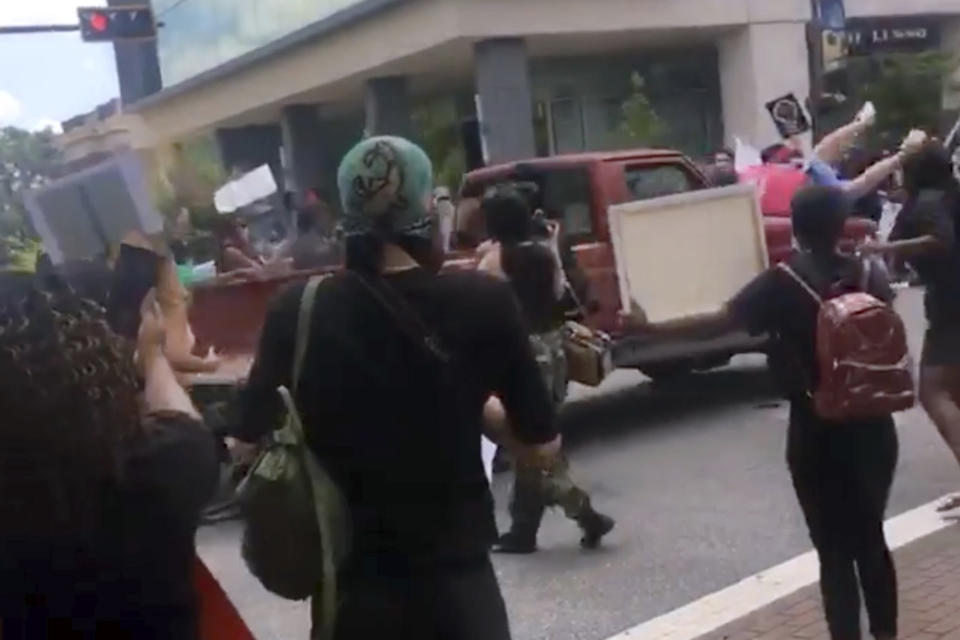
(109, 24)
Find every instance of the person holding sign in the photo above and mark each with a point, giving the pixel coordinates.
(842, 468)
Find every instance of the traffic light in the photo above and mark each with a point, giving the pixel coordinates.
(108, 24)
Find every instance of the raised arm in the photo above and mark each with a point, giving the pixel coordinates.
(162, 391)
(831, 149)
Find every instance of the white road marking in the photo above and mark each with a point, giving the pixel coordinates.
(766, 587)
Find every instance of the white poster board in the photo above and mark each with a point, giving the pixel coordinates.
(245, 190)
(687, 254)
(88, 212)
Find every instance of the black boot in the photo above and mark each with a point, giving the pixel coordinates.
(595, 526)
(516, 542)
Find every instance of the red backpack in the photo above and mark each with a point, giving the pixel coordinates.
(865, 365)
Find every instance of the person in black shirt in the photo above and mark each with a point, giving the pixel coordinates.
(842, 472)
(98, 504)
(397, 419)
(925, 234)
(534, 270)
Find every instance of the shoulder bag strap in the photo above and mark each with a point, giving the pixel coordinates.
(304, 321)
(406, 317)
(787, 269)
(327, 606)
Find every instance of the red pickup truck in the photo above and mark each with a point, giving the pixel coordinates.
(576, 190)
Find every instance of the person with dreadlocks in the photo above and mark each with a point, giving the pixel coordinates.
(101, 485)
(400, 363)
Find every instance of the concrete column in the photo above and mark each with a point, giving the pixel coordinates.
(387, 104)
(758, 63)
(246, 148)
(506, 100)
(303, 147)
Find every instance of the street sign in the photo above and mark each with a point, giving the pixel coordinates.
(110, 24)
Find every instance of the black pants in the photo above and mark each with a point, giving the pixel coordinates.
(842, 475)
(454, 603)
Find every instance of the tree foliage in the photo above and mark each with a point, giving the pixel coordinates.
(438, 129)
(641, 123)
(188, 179)
(27, 161)
(906, 88)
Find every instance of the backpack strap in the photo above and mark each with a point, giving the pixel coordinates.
(404, 315)
(319, 489)
(304, 317)
(787, 269)
(866, 274)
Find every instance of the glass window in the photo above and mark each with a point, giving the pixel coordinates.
(567, 118)
(201, 34)
(654, 181)
(566, 197)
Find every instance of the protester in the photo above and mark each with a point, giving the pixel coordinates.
(536, 275)
(400, 364)
(724, 158)
(827, 156)
(842, 471)
(99, 503)
(925, 234)
(446, 216)
(234, 251)
(314, 244)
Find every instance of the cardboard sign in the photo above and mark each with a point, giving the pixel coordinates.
(245, 190)
(710, 242)
(789, 116)
(87, 213)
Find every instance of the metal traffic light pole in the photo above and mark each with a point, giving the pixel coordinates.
(139, 19)
(38, 28)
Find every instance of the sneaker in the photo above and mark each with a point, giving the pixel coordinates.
(515, 543)
(594, 529)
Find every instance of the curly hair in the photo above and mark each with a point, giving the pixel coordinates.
(69, 401)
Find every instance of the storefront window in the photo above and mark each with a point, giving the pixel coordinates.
(567, 125)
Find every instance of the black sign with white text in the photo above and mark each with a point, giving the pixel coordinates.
(889, 35)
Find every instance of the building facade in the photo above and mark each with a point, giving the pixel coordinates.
(295, 82)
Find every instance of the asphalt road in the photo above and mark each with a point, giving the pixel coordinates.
(695, 477)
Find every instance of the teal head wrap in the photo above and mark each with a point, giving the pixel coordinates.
(385, 185)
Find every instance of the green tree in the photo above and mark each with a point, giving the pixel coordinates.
(190, 179)
(906, 88)
(641, 124)
(27, 161)
(438, 129)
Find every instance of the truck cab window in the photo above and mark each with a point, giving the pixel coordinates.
(654, 181)
(566, 197)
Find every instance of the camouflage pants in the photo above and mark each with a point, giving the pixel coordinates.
(548, 349)
(535, 489)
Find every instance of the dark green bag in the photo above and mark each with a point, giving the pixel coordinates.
(296, 523)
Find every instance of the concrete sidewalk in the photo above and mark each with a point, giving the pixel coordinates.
(929, 585)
